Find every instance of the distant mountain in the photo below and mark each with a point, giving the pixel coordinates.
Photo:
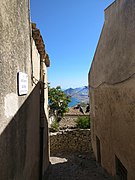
(80, 93)
(69, 91)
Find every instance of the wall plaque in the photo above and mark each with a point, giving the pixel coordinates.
(22, 83)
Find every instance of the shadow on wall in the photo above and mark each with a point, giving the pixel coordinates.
(20, 142)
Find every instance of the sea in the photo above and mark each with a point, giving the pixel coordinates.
(73, 102)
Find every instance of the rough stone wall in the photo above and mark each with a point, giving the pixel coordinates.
(19, 115)
(75, 140)
(14, 52)
(112, 88)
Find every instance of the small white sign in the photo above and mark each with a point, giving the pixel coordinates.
(22, 83)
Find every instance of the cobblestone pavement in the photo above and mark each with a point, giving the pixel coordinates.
(75, 167)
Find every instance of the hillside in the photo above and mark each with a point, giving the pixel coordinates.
(80, 93)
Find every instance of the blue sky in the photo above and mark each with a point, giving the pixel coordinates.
(70, 29)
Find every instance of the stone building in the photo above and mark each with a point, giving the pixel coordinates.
(24, 150)
(112, 92)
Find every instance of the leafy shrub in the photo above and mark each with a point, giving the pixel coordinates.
(83, 122)
(54, 126)
(58, 102)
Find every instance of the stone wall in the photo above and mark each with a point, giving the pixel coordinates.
(112, 90)
(75, 140)
(20, 129)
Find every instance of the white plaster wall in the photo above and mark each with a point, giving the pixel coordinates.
(35, 62)
(45, 90)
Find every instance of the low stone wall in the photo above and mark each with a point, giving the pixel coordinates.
(75, 140)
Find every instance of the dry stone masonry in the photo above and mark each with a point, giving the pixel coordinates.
(75, 140)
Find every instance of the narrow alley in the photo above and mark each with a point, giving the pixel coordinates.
(71, 155)
(77, 166)
(67, 112)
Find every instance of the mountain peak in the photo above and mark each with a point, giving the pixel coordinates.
(79, 93)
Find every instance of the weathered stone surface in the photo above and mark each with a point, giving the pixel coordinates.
(20, 144)
(112, 89)
(75, 140)
(114, 56)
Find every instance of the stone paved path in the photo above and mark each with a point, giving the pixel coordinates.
(75, 167)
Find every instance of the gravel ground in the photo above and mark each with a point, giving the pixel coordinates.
(75, 167)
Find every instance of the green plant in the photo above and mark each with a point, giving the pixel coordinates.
(54, 126)
(58, 102)
(83, 122)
